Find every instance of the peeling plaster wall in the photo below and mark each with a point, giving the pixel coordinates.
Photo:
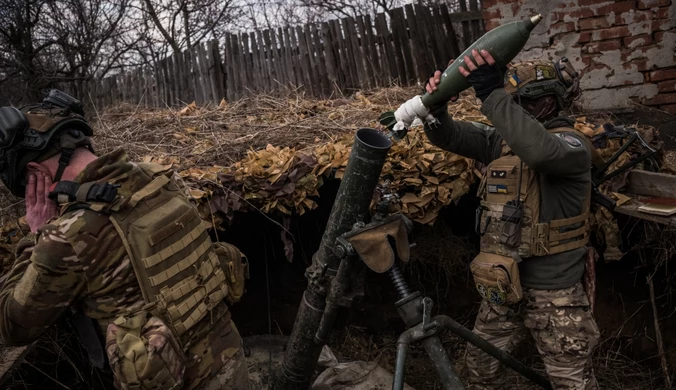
(625, 50)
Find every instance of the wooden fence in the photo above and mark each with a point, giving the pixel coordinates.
(334, 57)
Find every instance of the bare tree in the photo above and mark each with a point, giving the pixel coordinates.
(51, 43)
(21, 72)
(351, 8)
(184, 22)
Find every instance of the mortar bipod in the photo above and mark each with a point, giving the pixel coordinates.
(377, 244)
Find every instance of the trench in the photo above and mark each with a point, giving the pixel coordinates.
(439, 268)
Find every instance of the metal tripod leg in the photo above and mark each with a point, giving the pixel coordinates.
(415, 311)
(436, 353)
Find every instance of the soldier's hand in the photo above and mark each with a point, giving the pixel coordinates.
(434, 81)
(480, 59)
(39, 208)
(483, 74)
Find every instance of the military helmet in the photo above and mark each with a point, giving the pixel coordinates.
(535, 79)
(37, 132)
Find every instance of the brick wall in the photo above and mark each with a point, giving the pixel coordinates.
(625, 50)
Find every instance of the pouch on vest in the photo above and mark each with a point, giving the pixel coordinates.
(236, 267)
(497, 278)
(144, 354)
(512, 218)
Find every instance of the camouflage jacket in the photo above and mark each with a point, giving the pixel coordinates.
(77, 261)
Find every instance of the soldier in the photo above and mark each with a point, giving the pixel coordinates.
(533, 218)
(119, 244)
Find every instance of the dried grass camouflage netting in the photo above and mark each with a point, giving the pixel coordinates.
(273, 153)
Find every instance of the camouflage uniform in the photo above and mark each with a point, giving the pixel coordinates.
(562, 326)
(78, 261)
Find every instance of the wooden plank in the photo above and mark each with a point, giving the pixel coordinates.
(273, 72)
(167, 79)
(384, 37)
(403, 38)
(148, 83)
(331, 63)
(255, 83)
(124, 86)
(315, 82)
(348, 55)
(357, 56)
(366, 52)
(465, 16)
(184, 68)
(249, 70)
(631, 209)
(279, 65)
(435, 41)
(170, 88)
(654, 184)
(466, 35)
(291, 57)
(265, 60)
(475, 23)
(190, 76)
(162, 84)
(418, 40)
(139, 84)
(426, 39)
(372, 50)
(229, 69)
(283, 58)
(187, 94)
(213, 72)
(342, 69)
(204, 73)
(451, 37)
(237, 66)
(174, 78)
(304, 59)
(174, 81)
(320, 59)
(296, 58)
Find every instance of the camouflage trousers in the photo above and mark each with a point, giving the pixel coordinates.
(233, 376)
(560, 322)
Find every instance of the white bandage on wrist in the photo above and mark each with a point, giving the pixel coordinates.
(410, 111)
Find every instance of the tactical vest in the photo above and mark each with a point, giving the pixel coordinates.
(500, 188)
(179, 272)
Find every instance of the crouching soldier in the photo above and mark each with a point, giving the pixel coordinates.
(120, 245)
(533, 219)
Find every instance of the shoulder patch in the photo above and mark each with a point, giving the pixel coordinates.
(570, 140)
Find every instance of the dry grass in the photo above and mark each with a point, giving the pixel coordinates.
(221, 135)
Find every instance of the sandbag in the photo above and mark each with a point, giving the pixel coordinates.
(357, 375)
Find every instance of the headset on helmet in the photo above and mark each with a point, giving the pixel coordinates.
(535, 79)
(37, 132)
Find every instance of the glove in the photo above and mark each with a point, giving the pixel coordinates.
(410, 111)
(486, 79)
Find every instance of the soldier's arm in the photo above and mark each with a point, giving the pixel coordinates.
(540, 150)
(45, 278)
(464, 138)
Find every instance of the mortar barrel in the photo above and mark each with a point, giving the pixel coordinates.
(352, 205)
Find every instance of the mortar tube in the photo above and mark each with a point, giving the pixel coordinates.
(352, 205)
